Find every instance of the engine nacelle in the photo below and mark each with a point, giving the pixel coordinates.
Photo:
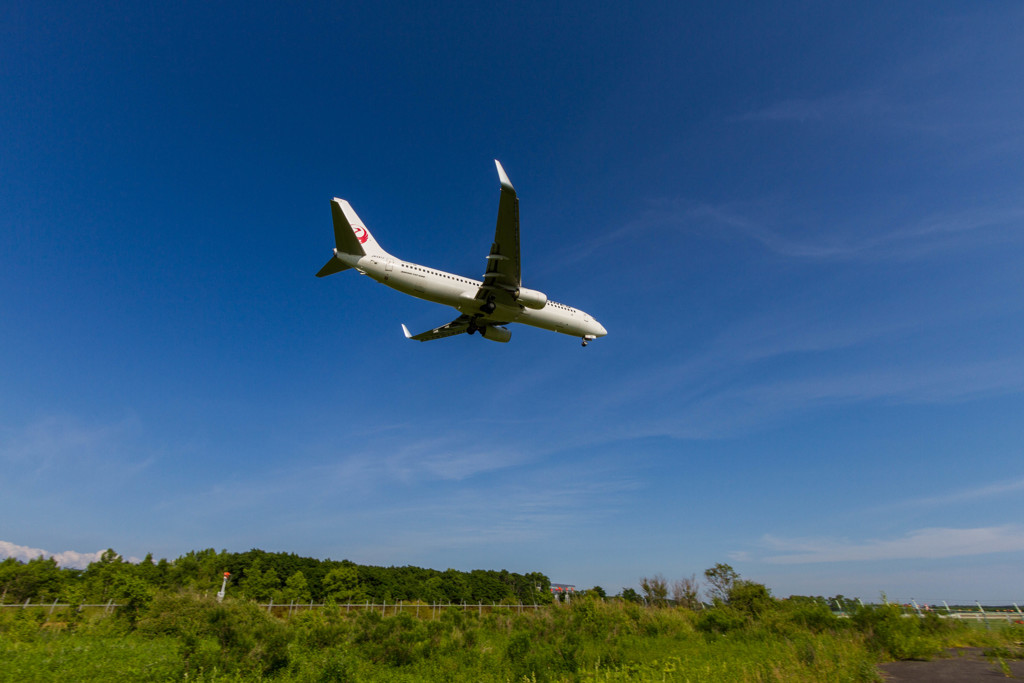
(531, 298)
(496, 333)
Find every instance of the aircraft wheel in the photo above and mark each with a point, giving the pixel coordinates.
(584, 342)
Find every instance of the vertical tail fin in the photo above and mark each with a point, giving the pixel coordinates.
(350, 233)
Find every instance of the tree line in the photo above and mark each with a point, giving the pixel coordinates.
(261, 576)
(168, 626)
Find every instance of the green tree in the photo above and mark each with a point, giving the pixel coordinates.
(101, 577)
(296, 588)
(433, 590)
(720, 578)
(487, 587)
(685, 592)
(133, 595)
(342, 585)
(38, 580)
(9, 569)
(655, 589)
(261, 586)
(751, 598)
(456, 587)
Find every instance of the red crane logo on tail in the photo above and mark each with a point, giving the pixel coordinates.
(361, 233)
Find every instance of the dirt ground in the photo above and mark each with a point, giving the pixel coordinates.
(963, 665)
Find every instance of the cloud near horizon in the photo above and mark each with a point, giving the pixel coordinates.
(930, 543)
(69, 559)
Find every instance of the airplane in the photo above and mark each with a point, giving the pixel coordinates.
(484, 306)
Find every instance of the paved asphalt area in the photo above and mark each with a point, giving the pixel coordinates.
(964, 665)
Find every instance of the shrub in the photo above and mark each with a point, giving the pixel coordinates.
(720, 620)
(813, 616)
(891, 633)
(750, 598)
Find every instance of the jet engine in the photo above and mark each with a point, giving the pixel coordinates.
(496, 333)
(531, 298)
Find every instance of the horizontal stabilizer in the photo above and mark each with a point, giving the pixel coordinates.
(331, 267)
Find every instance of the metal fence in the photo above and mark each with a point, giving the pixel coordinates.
(52, 606)
(417, 609)
(1007, 612)
(434, 610)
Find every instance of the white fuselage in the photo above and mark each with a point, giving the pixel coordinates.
(460, 293)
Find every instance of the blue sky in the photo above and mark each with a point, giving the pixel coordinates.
(801, 224)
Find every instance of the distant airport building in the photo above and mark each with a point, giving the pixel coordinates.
(562, 591)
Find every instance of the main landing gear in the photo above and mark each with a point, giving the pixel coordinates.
(584, 341)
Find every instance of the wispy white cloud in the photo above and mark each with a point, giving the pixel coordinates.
(801, 357)
(800, 234)
(987, 492)
(452, 458)
(57, 443)
(786, 232)
(67, 558)
(930, 543)
(537, 508)
(898, 105)
(914, 384)
(376, 508)
(728, 410)
(845, 106)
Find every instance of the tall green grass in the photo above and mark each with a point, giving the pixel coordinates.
(181, 637)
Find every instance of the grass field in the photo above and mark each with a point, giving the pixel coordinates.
(186, 637)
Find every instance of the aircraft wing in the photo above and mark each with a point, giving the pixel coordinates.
(503, 276)
(457, 326)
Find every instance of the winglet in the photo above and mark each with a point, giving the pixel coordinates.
(506, 184)
(406, 331)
